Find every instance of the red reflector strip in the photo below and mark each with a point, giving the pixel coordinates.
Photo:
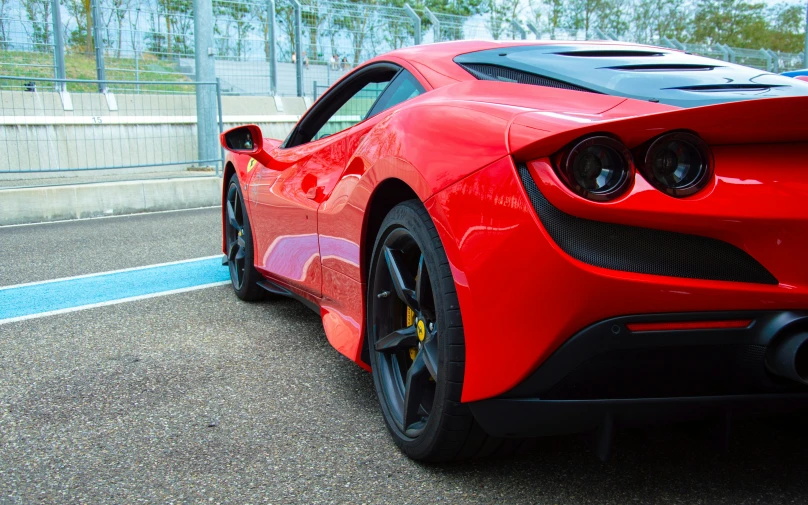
(690, 325)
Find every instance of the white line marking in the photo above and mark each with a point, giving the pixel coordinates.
(111, 302)
(104, 217)
(84, 276)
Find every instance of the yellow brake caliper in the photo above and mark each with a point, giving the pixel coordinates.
(410, 322)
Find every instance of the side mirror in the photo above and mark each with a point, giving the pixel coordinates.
(246, 139)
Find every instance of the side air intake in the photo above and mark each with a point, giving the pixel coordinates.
(495, 73)
(643, 250)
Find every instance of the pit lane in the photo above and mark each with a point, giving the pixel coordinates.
(195, 396)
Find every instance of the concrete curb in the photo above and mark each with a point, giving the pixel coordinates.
(57, 203)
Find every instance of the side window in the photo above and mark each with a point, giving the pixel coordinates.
(353, 111)
(403, 87)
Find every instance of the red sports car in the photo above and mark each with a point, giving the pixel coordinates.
(524, 239)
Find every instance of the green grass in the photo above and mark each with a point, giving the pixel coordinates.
(82, 66)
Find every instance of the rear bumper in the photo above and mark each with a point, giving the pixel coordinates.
(533, 417)
(522, 296)
(609, 374)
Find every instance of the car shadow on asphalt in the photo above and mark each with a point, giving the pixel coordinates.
(764, 457)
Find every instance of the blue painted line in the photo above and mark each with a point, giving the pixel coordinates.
(68, 293)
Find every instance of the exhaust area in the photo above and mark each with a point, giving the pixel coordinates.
(788, 357)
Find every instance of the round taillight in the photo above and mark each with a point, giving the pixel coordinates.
(598, 168)
(678, 164)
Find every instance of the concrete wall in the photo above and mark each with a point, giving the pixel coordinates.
(57, 203)
(37, 133)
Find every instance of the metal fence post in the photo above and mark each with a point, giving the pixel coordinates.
(518, 29)
(731, 53)
(273, 57)
(435, 23)
(205, 72)
(724, 52)
(314, 90)
(768, 58)
(416, 22)
(532, 27)
(298, 46)
(672, 43)
(220, 166)
(58, 46)
(98, 41)
(775, 60)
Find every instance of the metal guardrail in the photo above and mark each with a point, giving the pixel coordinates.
(764, 59)
(57, 125)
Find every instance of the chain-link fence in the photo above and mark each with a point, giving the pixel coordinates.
(91, 84)
(26, 39)
(143, 41)
(48, 131)
(256, 41)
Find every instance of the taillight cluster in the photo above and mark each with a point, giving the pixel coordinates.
(601, 168)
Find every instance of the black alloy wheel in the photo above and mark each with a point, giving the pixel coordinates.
(416, 343)
(408, 345)
(239, 246)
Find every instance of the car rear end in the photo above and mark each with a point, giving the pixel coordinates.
(674, 286)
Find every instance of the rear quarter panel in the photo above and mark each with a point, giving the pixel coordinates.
(420, 145)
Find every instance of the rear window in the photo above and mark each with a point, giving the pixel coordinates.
(639, 72)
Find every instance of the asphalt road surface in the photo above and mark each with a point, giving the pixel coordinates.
(197, 397)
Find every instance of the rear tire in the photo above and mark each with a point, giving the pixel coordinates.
(416, 343)
(239, 245)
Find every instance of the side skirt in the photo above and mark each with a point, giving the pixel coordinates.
(277, 289)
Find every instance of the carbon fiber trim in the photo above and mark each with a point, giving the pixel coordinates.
(495, 73)
(643, 250)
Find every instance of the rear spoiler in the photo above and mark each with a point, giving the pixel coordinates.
(771, 120)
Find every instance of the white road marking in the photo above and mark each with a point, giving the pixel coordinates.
(111, 302)
(96, 274)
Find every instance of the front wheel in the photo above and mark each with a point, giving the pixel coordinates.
(416, 342)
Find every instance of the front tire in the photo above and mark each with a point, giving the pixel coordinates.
(239, 245)
(416, 342)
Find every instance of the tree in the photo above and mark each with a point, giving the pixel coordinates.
(38, 12)
(786, 28)
(496, 18)
(736, 23)
(172, 11)
(313, 14)
(456, 7)
(554, 11)
(81, 36)
(4, 38)
(586, 15)
(286, 24)
(118, 11)
(239, 15)
(357, 22)
(260, 13)
(613, 17)
(87, 11)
